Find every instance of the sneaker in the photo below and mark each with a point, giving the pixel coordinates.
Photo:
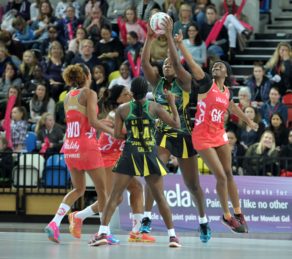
(233, 225)
(53, 232)
(174, 242)
(241, 219)
(145, 225)
(141, 237)
(98, 240)
(111, 240)
(205, 232)
(75, 226)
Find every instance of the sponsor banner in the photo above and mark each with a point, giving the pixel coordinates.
(265, 201)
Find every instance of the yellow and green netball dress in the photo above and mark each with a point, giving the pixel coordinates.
(177, 141)
(139, 157)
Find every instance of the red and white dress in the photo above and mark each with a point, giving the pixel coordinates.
(209, 120)
(110, 148)
(80, 147)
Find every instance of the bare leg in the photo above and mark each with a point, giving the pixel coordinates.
(224, 155)
(121, 182)
(190, 173)
(212, 160)
(98, 177)
(155, 183)
(136, 196)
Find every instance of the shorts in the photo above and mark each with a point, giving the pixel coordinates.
(178, 144)
(140, 163)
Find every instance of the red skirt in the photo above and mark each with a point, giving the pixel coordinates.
(110, 159)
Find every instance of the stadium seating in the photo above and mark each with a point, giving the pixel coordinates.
(30, 141)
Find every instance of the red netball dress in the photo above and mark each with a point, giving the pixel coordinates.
(209, 120)
(80, 147)
(110, 148)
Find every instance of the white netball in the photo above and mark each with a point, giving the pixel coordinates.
(156, 22)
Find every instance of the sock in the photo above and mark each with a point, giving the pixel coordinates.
(100, 216)
(203, 220)
(137, 218)
(227, 216)
(83, 214)
(62, 211)
(237, 210)
(171, 232)
(147, 214)
(103, 230)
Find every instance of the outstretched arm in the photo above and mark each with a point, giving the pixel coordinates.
(196, 69)
(183, 76)
(148, 70)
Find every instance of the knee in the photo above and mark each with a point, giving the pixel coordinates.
(229, 175)
(193, 187)
(79, 191)
(222, 179)
(135, 189)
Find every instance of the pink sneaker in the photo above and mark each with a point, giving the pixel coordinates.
(53, 232)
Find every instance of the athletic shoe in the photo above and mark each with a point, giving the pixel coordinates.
(98, 240)
(141, 237)
(145, 225)
(111, 240)
(233, 225)
(205, 232)
(174, 242)
(53, 232)
(241, 219)
(75, 226)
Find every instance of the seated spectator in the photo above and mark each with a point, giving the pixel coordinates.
(5, 57)
(93, 23)
(247, 135)
(195, 45)
(50, 134)
(13, 90)
(69, 24)
(37, 78)
(9, 78)
(40, 103)
(125, 79)
(278, 127)
(52, 68)
(259, 85)
(130, 22)
(22, 8)
(53, 35)
(34, 10)
(273, 105)
(6, 163)
(27, 66)
(185, 19)
(171, 7)
(60, 11)
(261, 158)
(117, 8)
(199, 11)
(218, 48)
(85, 55)
(23, 33)
(237, 153)
(74, 44)
(159, 49)
(89, 5)
(109, 50)
(19, 127)
(144, 8)
(244, 97)
(99, 80)
(279, 68)
(13, 47)
(133, 53)
(286, 155)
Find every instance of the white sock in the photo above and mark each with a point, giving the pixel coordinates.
(137, 218)
(103, 229)
(147, 214)
(61, 212)
(83, 214)
(171, 232)
(100, 216)
(203, 220)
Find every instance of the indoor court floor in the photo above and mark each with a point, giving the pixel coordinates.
(27, 241)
